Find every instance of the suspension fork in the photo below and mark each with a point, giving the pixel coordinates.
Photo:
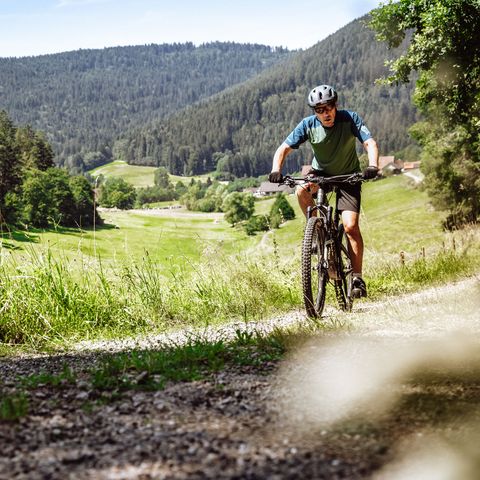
(312, 211)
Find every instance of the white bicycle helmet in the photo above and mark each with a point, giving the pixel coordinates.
(321, 95)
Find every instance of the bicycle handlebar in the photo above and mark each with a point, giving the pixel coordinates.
(350, 179)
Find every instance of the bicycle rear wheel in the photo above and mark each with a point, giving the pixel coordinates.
(314, 274)
(343, 286)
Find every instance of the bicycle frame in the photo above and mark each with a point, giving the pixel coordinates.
(325, 250)
(322, 205)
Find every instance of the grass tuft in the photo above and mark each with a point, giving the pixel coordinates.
(13, 407)
(67, 376)
(198, 358)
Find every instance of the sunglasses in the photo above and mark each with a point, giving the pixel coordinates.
(324, 109)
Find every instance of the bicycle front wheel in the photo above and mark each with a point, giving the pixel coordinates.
(343, 286)
(314, 274)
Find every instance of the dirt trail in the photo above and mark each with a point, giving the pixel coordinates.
(261, 423)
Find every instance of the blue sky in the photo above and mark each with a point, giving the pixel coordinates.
(35, 27)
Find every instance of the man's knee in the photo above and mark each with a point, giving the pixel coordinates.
(351, 229)
(304, 197)
(351, 226)
(303, 193)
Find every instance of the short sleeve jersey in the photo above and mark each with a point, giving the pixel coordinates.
(333, 148)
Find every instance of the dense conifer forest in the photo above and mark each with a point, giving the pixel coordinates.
(191, 109)
(84, 100)
(33, 191)
(238, 130)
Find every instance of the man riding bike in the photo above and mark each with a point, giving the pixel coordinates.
(332, 134)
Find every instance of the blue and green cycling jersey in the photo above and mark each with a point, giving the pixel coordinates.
(333, 148)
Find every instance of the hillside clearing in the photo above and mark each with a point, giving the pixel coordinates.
(139, 176)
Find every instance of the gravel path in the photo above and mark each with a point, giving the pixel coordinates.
(168, 212)
(272, 422)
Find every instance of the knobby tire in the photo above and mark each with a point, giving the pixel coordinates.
(314, 274)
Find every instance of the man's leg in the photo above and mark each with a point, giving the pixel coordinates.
(355, 240)
(304, 196)
(355, 247)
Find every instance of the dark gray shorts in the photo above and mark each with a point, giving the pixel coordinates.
(349, 198)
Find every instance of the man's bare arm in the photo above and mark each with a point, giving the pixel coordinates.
(372, 152)
(279, 158)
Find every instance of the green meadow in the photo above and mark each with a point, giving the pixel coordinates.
(137, 175)
(140, 176)
(174, 236)
(396, 217)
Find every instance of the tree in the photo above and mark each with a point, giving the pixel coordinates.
(32, 189)
(194, 193)
(238, 207)
(213, 198)
(47, 198)
(9, 163)
(36, 152)
(85, 212)
(180, 189)
(257, 223)
(281, 211)
(117, 193)
(444, 47)
(161, 178)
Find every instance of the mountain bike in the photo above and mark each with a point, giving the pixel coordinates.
(325, 253)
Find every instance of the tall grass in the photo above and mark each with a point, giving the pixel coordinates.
(391, 278)
(409, 272)
(48, 300)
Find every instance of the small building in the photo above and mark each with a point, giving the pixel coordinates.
(389, 165)
(268, 188)
(383, 161)
(411, 165)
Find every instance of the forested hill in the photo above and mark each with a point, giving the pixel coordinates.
(83, 100)
(238, 130)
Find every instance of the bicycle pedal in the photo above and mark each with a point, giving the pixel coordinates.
(356, 293)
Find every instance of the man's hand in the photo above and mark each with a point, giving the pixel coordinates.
(370, 172)
(275, 177)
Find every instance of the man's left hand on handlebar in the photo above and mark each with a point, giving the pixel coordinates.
(370, 172)
(275, 177)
